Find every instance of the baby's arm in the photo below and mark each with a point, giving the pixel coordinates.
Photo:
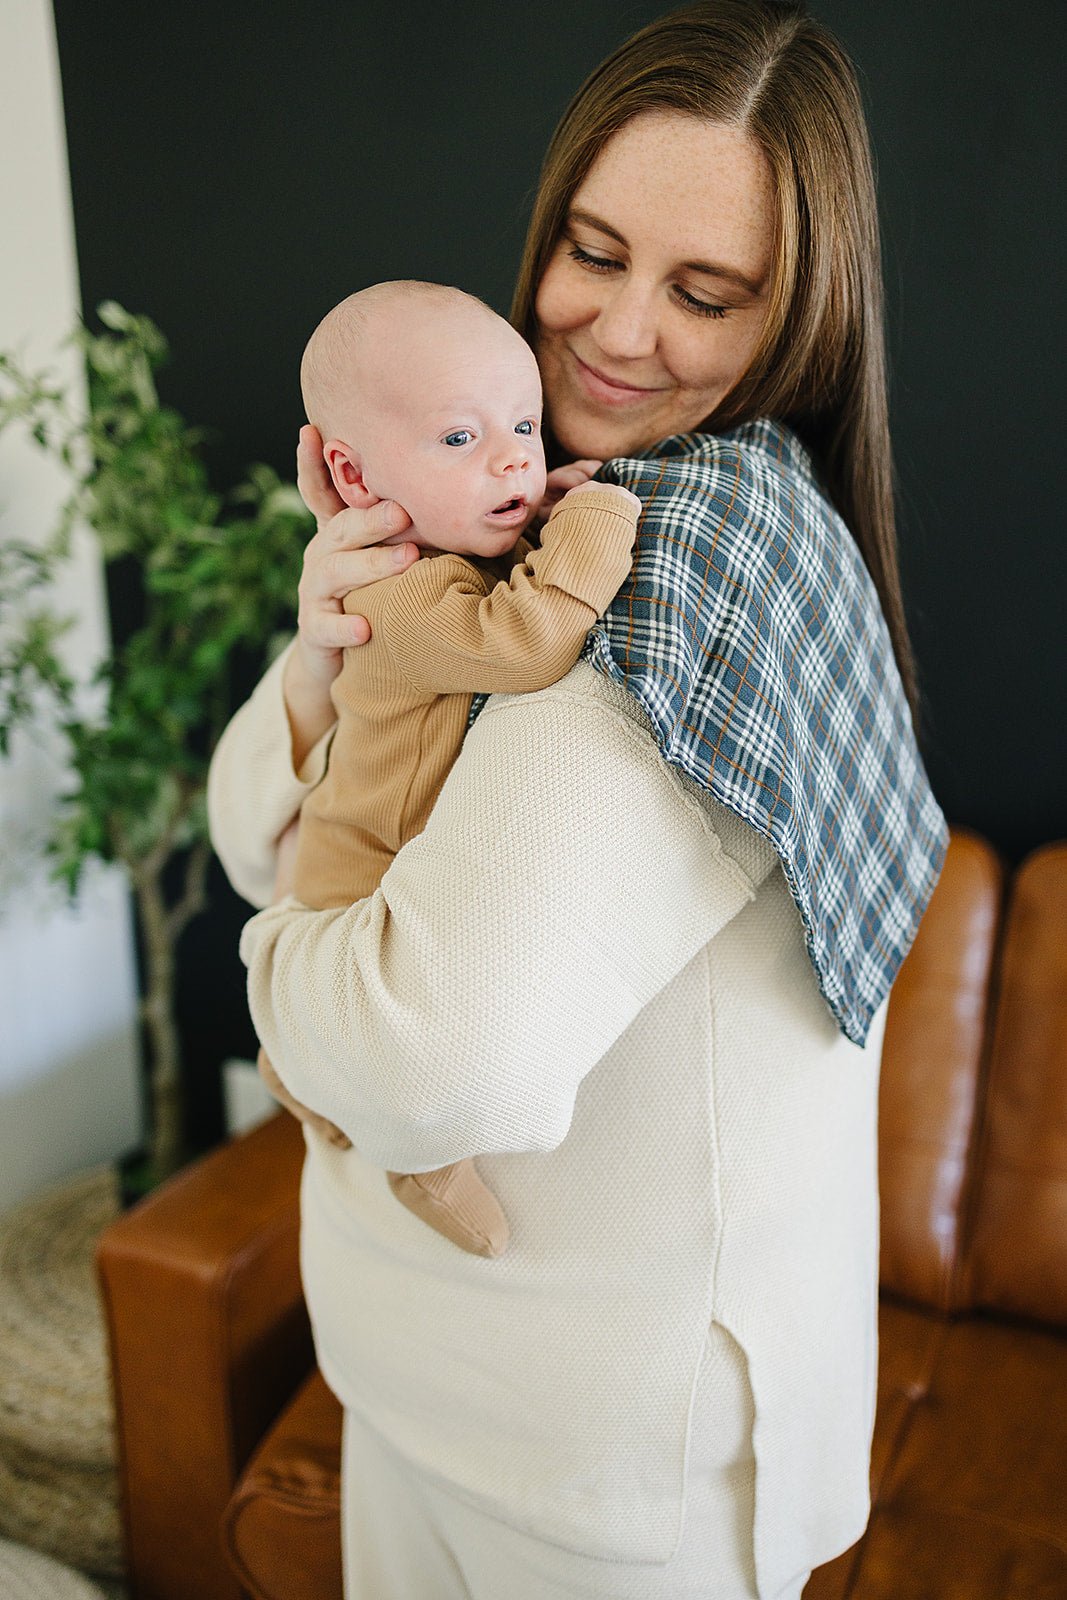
(449, 637)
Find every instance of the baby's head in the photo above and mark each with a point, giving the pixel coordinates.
(425, 396)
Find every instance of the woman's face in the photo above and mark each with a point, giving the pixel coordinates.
(652, 302)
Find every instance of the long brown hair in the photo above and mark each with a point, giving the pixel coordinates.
(765, 66)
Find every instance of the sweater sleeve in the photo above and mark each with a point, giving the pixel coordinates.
(449, 637)
(253, 792)
(564, 877)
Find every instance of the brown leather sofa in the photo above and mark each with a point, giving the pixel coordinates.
(229, 1440)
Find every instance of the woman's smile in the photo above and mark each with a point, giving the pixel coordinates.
(610, 390)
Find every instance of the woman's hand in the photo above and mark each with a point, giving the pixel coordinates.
(338, 560)
(345, 552)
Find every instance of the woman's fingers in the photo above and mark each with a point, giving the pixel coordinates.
(331, 574)
(345, 553)
(337, 571)
(341, 524)
(337, 630)
(355, 527)
(313, 477)
(343, 556)
(326, 1130)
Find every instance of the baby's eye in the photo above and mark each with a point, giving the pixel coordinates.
(524, 427)
(460, 437)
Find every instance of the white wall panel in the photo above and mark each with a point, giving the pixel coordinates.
(69, 1093)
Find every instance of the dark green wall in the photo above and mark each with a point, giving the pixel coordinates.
(237, 168)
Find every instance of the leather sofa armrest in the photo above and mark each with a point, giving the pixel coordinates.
(209, 1338)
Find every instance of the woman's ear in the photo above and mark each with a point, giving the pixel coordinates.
(346, 470)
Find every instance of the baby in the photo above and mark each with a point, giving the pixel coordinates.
(424, 396)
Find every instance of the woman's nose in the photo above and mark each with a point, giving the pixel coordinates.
(626, 324)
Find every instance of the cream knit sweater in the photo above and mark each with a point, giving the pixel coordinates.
(593, 978)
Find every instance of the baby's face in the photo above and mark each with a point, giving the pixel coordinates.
(457, 437)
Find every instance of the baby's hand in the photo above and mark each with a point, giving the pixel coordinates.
(626, 497)
(560, 479)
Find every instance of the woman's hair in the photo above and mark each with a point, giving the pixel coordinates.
(765, 66)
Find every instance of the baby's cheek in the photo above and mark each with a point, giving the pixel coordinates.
(442, 511)
(459, 521)
(468, 507)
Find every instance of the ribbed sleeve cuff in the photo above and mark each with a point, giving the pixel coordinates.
(587, 547)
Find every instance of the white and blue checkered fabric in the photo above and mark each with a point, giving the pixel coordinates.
(750, 631)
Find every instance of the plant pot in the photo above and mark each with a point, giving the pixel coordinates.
(137, 1176)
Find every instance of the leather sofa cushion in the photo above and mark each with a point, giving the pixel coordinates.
(908, 1345)
(1018, 1256)
(908, 1341)
(916, 1553)
(971, 1500)
(930, 1069)
(282, 1527)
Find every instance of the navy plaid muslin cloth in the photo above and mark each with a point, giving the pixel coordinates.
(750, 632)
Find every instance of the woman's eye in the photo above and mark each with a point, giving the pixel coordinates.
(524, 427)
(460, 437)
(700, 308)
(584, 259)
(691, 302)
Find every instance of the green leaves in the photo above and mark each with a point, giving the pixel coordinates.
(31, 670)
(217, 578)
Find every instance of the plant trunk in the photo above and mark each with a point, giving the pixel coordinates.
(165, 1132)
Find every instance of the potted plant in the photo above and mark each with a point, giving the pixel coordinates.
(215, 579)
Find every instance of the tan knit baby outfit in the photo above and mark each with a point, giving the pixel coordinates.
(441, 632)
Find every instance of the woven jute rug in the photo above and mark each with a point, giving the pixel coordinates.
(58, 1483)
(29, 1575)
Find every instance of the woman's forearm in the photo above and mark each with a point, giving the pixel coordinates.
(562, 879)
(306, 691)
(254, 791)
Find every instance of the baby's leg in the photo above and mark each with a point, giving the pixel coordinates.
(455, 1202)
(326, 1129)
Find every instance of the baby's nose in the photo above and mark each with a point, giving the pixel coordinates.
(514, 457)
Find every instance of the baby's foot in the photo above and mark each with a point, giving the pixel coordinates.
(455, 1202)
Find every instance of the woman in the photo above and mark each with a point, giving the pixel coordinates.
(637, 961)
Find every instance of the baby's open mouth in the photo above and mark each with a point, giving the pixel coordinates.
(516, 503)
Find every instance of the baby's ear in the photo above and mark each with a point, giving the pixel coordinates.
(346, 470)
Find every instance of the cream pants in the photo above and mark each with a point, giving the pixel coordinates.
(405, 1538)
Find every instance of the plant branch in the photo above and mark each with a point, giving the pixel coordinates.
(194, 891)
(217, 577)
